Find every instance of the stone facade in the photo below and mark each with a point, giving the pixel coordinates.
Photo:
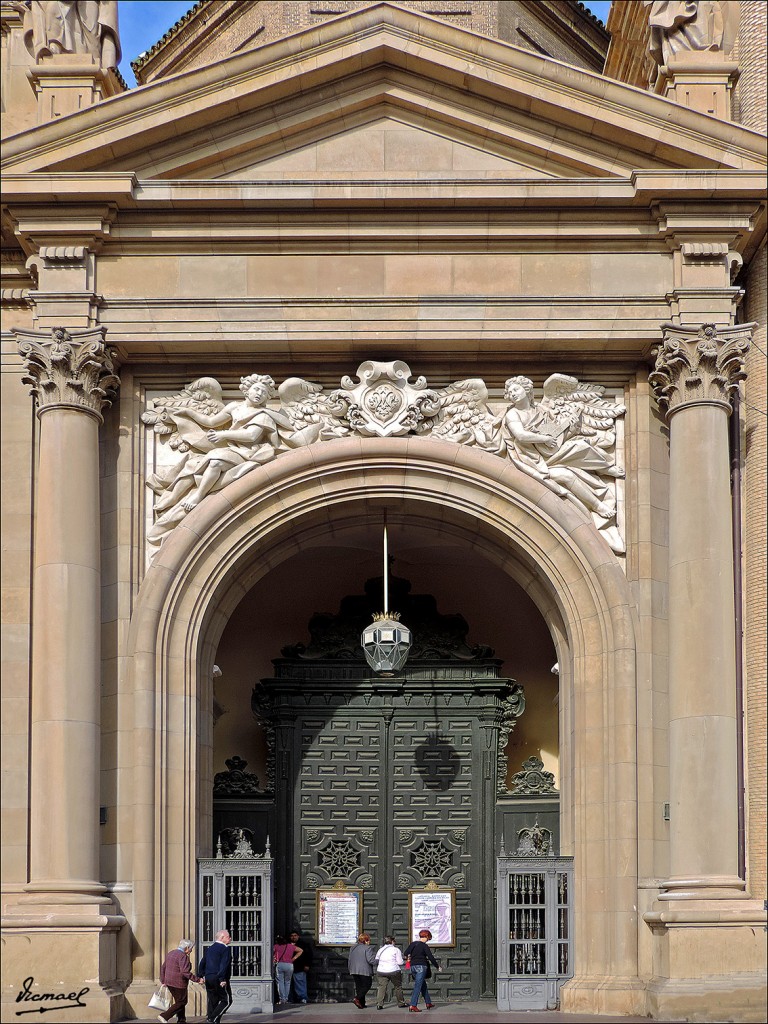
(387, 262)
(216, 29)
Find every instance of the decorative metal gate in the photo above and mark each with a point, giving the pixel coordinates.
(235, 893)
(535, 926)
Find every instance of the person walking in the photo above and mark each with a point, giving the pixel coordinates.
(301, 966)
(176, 973)
(284, 955)
(419, 956)
(216, 968)
(361, 960)
(389, 963)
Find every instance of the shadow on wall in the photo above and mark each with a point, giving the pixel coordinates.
(437, 762)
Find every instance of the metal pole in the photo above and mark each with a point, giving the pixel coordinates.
(386, 569)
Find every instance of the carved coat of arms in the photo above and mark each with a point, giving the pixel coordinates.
(383, 402)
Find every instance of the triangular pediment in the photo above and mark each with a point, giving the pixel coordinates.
(384, 92)
(387, 146)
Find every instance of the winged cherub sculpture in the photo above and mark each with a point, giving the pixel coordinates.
(220, 443)
(564, 441)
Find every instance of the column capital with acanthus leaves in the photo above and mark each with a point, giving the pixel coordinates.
(699, 365)
(68, 369)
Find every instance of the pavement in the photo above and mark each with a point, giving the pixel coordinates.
(445, 1013)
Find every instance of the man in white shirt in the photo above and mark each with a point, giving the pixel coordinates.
(389, 962)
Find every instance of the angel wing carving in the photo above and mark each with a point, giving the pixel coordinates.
(170, 417)
(572, 408)
(314, 416)
(462, 414)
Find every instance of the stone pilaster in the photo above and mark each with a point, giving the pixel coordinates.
(71, 377)
(710, 950)
(696, 369)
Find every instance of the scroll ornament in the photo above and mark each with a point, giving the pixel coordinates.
(69, 368)
(532, 780)
(509, 710)
(235, 781)
(566, 439)
(699, 364)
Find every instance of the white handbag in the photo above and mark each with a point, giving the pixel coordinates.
(161, 1000)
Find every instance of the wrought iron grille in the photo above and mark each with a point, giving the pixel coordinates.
(535, 924)
(236, 894)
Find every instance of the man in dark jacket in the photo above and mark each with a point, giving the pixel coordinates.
(301, 966)
(176, 973)
(216, 968)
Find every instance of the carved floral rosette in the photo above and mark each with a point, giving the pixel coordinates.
(699, 364)
(71, 369)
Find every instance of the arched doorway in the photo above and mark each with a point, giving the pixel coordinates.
(389, 785)
(234, 538)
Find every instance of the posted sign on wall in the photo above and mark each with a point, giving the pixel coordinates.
(339, 916)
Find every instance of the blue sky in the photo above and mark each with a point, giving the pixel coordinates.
(144, 22)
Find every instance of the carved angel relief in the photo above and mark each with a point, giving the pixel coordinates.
(567, 440)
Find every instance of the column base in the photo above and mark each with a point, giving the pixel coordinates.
(62, 957)
(596, 994)
(709, 960)
(739, 998)
(711, 887)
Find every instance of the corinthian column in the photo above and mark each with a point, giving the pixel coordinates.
(71, 376)
(695, 372)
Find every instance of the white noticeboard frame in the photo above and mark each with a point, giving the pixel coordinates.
(435, 910)
(339, 914)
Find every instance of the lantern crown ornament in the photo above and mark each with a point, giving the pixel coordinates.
(386, 641)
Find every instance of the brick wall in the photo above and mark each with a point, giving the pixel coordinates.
(556, 28)
(750, 51)
(750, 110)
(755, 567)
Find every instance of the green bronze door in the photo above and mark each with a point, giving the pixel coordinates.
(388, 786)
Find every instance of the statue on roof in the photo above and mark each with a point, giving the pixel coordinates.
(88, 27)
(684, 25)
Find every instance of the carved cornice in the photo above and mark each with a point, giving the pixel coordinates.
(68, 369)
(15, 297)
(699, 364)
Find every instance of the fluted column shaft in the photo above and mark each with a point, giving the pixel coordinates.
(69, 374)
(694, 373)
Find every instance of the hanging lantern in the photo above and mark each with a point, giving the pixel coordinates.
(386, 641)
